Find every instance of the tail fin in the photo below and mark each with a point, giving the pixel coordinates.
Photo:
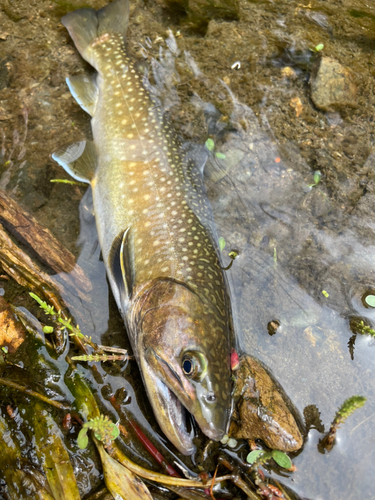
(85, 25)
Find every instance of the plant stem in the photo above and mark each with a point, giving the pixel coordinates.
(30, 392)
(152, 450)
(160, 478)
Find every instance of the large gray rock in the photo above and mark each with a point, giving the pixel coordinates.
(332, 86)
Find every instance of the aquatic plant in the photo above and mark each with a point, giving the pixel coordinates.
(210, 145)
(361, 327)
(365, 329)
(257, 457)
(118, 354)
(233, 254)
(319, 47)
(57, 318)
(346, 409)
(370, 300)
(317, 178)
(104, 431)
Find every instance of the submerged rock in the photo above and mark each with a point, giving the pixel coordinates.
(332, 86)
(261, 411)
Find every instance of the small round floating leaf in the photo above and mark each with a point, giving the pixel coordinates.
(48, 329)
(317, 176)
(82, 439)
(370, 300)
(221, 243)
(210, 144)
(253, 456)
(282, 459)
(326, 294)
(319, 47)
(232, 443)
(221, 156)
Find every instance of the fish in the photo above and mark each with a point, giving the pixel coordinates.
(156, 232)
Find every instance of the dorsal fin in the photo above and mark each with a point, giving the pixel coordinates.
(78, 159)
(120, 265)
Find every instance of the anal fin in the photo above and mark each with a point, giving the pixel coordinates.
(78, 159)
(120, 265)
(85, 91)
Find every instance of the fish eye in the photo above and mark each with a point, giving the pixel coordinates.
(194, 365)
(187, 366)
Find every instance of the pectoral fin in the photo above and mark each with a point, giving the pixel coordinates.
(85, 91)
(120, 265)
(78, 159)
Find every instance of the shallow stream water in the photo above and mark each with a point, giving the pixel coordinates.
(305, 252)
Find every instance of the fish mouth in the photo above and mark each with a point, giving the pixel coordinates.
(172, 417)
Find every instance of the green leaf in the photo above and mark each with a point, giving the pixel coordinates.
(319, 47)
(326, 294)
(210, 145)
(221, 156)
(82, 439)
(221, 243)
(232, 254)
(46, 308)
(66, 323)
(104, 429)
(317, 176)
(48, 329)
(5, 349)
(282, 459)
(115, 432)
(370, 300)
(253, 456)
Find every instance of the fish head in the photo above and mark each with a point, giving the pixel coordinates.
(184, 356)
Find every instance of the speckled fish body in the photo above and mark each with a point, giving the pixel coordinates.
(155, 230)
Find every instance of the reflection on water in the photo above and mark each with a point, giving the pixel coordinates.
(310, 273)
(305, 253)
